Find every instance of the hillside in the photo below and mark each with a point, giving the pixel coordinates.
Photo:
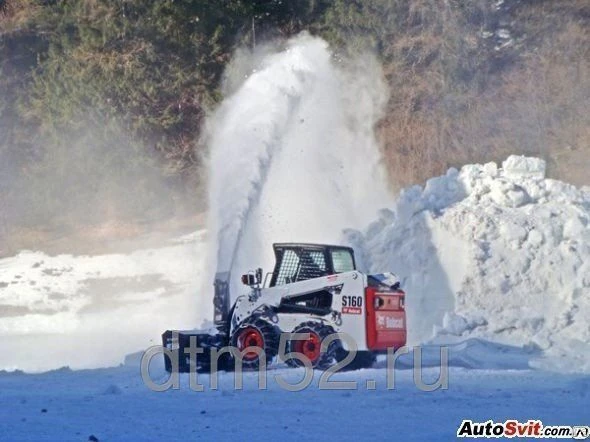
(103, 104)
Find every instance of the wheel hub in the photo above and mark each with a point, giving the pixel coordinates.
(311, 347)
(250, 337)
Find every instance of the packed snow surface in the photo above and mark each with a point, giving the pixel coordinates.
(114, 405)
(501, 254)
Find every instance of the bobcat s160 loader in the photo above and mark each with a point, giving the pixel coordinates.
(314, 291)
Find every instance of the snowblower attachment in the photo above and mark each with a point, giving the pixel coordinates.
(216, 337)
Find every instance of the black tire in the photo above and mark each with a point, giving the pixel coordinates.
(269, 341)
(320, 360)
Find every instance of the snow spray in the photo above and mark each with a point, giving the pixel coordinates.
(293, 156)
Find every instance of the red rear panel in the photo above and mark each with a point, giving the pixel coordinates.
(386, 319)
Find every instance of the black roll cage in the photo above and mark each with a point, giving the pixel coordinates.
(281, 248)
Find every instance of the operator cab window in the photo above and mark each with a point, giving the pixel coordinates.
(288, 268)
(312, 265)
(301, 265)
(342, 260)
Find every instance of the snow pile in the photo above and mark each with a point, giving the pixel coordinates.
(501, 254)
(293, 155)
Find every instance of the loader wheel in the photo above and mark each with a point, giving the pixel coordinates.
(311, 348)
(255, 333)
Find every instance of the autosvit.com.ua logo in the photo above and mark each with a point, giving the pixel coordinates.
(514, 428)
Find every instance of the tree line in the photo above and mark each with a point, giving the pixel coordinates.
(102, 102)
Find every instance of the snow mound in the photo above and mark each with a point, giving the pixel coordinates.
(500, 254)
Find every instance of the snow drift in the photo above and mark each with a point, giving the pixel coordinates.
(501, 254)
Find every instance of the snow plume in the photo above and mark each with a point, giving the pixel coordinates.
(293, 155)
(500, 254)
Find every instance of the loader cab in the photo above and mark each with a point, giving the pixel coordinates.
(298, 262)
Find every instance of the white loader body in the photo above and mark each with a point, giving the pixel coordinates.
(346, 289)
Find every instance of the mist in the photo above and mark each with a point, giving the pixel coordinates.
(94, 184)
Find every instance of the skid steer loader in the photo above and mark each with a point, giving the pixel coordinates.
(314, 290)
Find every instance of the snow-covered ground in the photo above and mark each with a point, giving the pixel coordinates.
(90, 311)
(114, 405)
